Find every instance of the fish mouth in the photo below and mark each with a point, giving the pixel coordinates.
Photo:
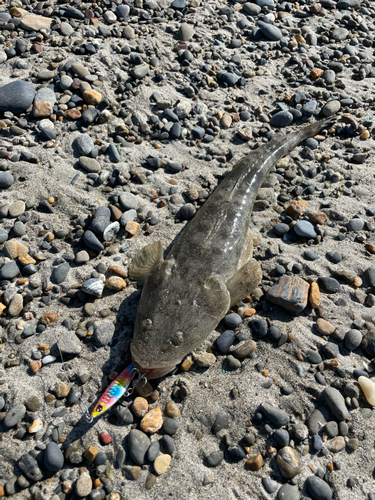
(151, 372)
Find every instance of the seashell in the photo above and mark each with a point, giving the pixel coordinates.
(368, 388)
(93, 286)
(110, 231)
(36, 426)
(48, 359)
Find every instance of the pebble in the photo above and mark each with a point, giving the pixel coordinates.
(14, 416)
(162, 463)
(270, 31)
(6, 180)
(221, 421)
(318, 489)
(336, 403)
(138, 445)
(324, 327)
(289, 462)
(152, 421)
(255, 462)
(60, 273)
(290, 292)
(215, 458)
(83, 485)
(288, 492)
(368, 388)
(170, 426)
(53, 457)
(353, 339)
(84, 144)
(329, 285)
(232, 320)
(29, 466)
(281, 119)
(355, 225)
(9, 271)
(305, 229)
(185, 32)
(89, 164)
(103, 333)
(16, 97)
(278, 417)
(224, 342)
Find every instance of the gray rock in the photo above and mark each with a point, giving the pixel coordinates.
(318, 489)
(329, 76)
(281, 119)
(232, 320)
(185, 32)
(80, 70)
(331, 108)
(355, 225)
(69, 345)
(170, 426)
(224, 342)
(29, 466)
(140, 71)
(14, 416)
(336, 403)
(9, 270)
(53, 457)
(6, 180)
(275, 415)
(304, 229)
(270, 31)
(84, 144)
(16, 97)
(353, 339)
(215, 458)
(288, 492)
(153, 452)
(103, 333)
(124, 415)
(138, 445)
(221, 421)
(328, 284)
(3, 236)
(45, 94)
(339, 34)
(92, 241)
(129, 201)
(289, 462)
(128, 216)
(60, 273)
(251, 9)
(66, 29)
(89, 164)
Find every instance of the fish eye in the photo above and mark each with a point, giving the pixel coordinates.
(177, 338)
(99, 408)
(147, 324)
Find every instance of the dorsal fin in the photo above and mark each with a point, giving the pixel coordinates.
(144, 261)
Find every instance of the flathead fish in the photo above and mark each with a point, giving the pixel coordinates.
(209, 268)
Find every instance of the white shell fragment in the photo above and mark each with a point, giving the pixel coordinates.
(111, 231)
(48, 359)
(36, 426)
(368, 388)
(93, 286)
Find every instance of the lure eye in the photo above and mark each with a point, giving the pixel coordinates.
(99, 408)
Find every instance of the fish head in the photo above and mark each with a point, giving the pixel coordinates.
(174, 317)
(99, 409)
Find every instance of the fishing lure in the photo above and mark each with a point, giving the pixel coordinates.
(118, 388)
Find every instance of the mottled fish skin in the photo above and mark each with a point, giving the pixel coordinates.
(186, 295)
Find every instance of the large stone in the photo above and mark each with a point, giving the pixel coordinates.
(290, 292)
(35, 23)
(16, 97)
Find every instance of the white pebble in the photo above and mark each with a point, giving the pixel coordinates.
(368, 387)
(48, 359)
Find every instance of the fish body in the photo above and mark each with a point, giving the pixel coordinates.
(209, 267)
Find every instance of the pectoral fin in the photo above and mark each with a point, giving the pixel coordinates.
(244, 281)
(144, 261)
(214, 297)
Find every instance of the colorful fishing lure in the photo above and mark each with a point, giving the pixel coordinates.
(116, 390)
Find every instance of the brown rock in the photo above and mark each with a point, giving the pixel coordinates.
(172, 410)
(73, 114)
(61, 390)
(132, 228)
(140, 407)
(91, 453)
(226, 121)
(16, 305)
(319, 218)
(119, 271)
(245, 133)
(162, 463)
(324, 327)
(370, 247)
(2, 308)
(84, 485)
(42, 109)
(152, 421)
(92, 97)
(48, 319)
(115, 283)
(336, 444)
(290, 292)
(255, 462)
(205, 360)
(187, 364)
(150, 481)
(244, 349)
(14, 249)
(316, 73)
(314, 295)
(135, 472)
(297, 208)
(17, 12)
(35, 366)
(289, 462)
(26, 260)
(115, 214)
